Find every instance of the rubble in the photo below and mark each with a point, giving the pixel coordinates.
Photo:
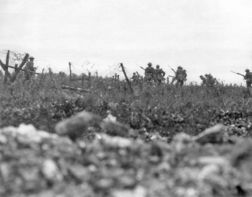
(138, 192)
(37, 163)
(215, 134)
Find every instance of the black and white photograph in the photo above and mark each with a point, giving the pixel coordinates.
(126, 98)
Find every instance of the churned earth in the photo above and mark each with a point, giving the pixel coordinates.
(107, 158)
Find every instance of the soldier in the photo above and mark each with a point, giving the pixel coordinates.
(248, 78)
(135, 78)
(211, 81)
(208, 80)
(159, 74)
(184, 74)
(167, 80)
(29, 69)
(180, 76)
(149, 72)
(115, 77)
(203, 79)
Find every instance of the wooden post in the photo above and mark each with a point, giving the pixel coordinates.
(70, 71)
(89, 79)
(74, 88)
(7, 60)
(7, 74)
(127, 79)
(82, 80)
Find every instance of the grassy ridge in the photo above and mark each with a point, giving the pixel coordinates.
(164, 108)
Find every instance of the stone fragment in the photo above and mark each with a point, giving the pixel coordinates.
(215, 134)
(115, 128)
(137, 192)
(51, 171)
(181, 141)
(77, 125)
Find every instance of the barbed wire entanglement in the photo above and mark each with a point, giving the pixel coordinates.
(15, 56)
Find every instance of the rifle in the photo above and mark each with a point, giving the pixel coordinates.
(142, 67)
(172, 69)
(238, 73)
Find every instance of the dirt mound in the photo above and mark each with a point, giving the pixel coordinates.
(37, 163)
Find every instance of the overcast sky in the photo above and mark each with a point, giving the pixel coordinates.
(201, 35)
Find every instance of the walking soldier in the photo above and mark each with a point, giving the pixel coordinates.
(29, 69)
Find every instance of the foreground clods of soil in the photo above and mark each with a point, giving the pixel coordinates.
(97, 162)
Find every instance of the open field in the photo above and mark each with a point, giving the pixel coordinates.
(155, 147)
